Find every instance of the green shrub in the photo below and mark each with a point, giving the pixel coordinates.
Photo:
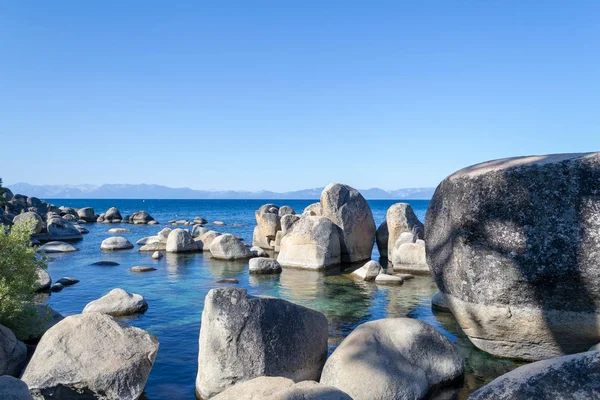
(19, 266)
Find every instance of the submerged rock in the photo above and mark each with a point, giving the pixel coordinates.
(349, 210)
(139, 268)
(575, 376)
(95, 353)
(278, 388)
(242, 338)
(56, 247)
(513, 245)
(115, 243)
(118, 230)
(106, 263)
(312, 243)
(117, 303)
(66, 281)
(399, 358)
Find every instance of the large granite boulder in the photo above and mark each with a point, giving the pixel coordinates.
(62, 230)
(117, 303)
(569, 377)
(393, 358)
(87, 214)
(229, 247)
(151, 239)
(400, 217)
(13, 389)
(198, 230)
(268, 223)
(140, 217)
(349, 210)
(513, 245)
(286, 210)
(115, 243)
(278, 388)
(112, 215)
(13, 353)
(313, 210)
(180, 241)
(43, 280)
(67, 210)
(242, 338)
(37, 225)
(311, 243)
(92, 353)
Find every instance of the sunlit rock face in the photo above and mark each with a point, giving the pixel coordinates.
(514, 246)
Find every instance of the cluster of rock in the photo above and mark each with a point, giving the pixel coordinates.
(372, 271)
(185, 222)
(271, 347)
(340, 228)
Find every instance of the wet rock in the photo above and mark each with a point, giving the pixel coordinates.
(66, 281)
(118, 230)
(400, 358)
(81, 229)
(92, 352)
(385, 279)
(57, 287)
(157, 255)
(242, 338)
(140, 268)
(106, 263)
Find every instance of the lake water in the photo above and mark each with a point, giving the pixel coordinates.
(176, 291)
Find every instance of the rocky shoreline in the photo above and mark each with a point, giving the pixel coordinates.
(512, 245)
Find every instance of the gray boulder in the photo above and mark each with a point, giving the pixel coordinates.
(112, 215)
(349, 210)
(268, 223)
(154, 246)
(311, 243)
(262, 265)
(117, 303)
(150, 239)
(62, 230)
(200, 221)
(242, 338)
(13, 353)
(369, 271)
(81, 229)
(163, 235)
(87, 214)
(67, 210)
(313, 210)
(140, 217)
(66, 281)
(115, 243)
(400, 217)
(513, 245)
(6, 194)
(30, 217)
(278, 388)
(13, 389)
(286, 223)
(393, 358)
(198, 230)
(180, 241)
(71, 218)
(286, 210)
(575, 376)
(43, 281)
(205, 240)
(229, 247)
(258, 252)
(56, 247)
(92, 352)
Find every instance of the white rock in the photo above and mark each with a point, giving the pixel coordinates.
(117, 303)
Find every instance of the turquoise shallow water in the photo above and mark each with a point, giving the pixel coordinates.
(176, 291)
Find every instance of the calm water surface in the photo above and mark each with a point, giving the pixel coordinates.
(176, 291)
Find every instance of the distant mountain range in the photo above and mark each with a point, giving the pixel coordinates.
(144, 191)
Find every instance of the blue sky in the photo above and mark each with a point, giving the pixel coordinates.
(285, 95)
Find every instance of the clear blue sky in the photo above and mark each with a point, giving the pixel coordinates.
(286, 95)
